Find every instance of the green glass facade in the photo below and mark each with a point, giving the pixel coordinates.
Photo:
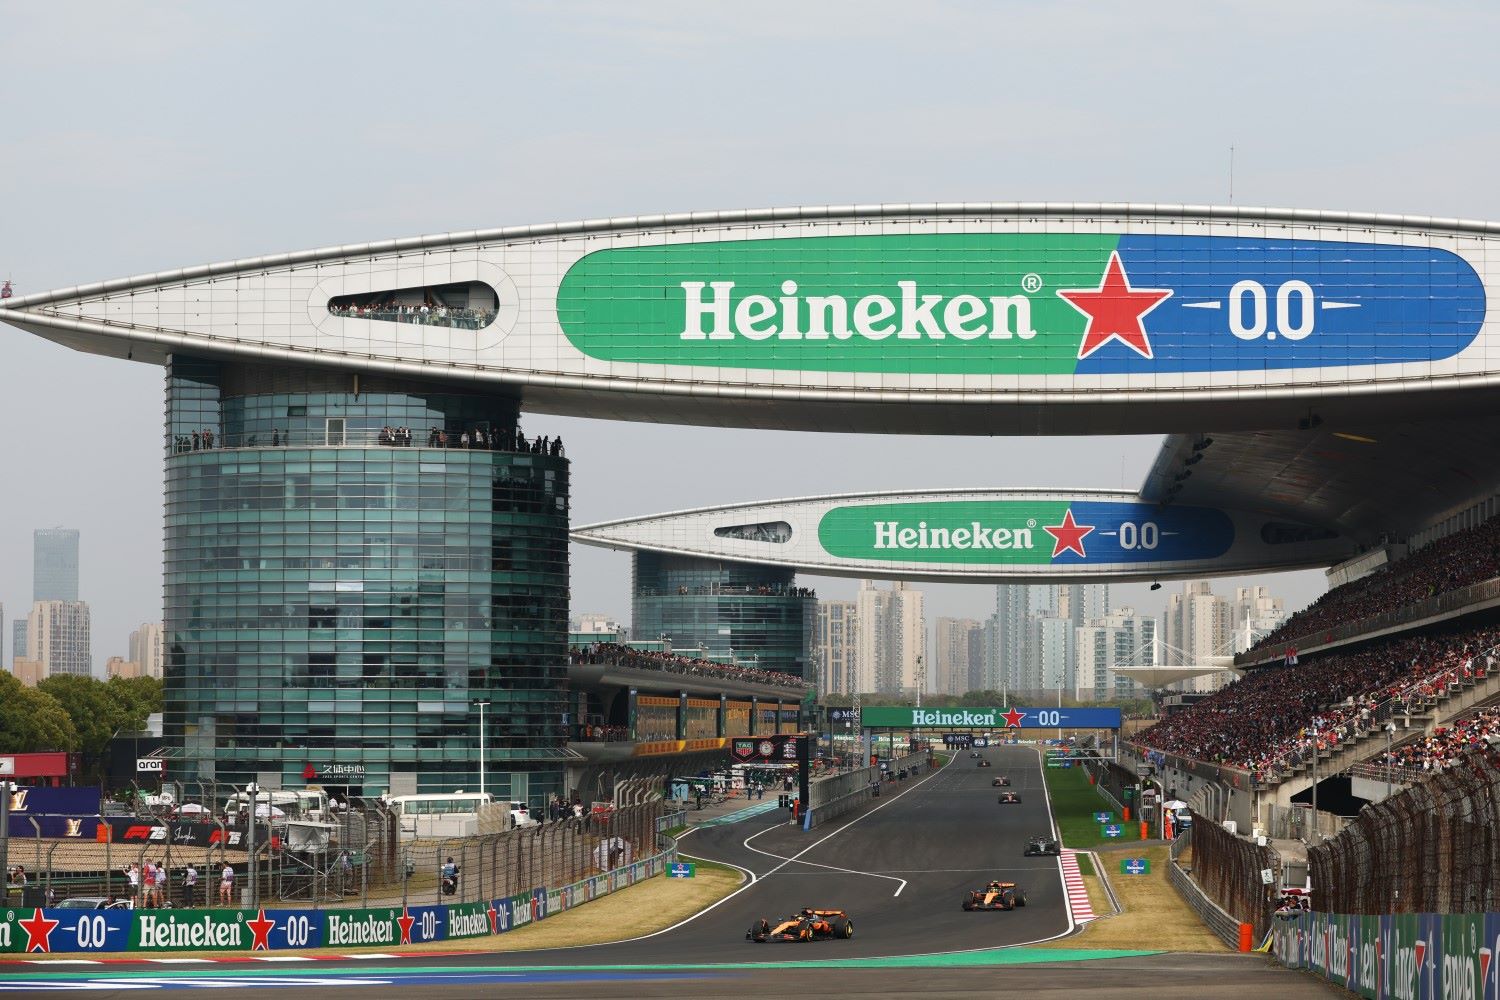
(755, 613)
(339, 594)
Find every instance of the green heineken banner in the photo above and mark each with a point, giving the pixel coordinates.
(906, 717)
(47, 931)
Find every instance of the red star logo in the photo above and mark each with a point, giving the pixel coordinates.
(38, 932)
(1114, 310)
(1013, 718)
(405, 921)
(261, 928)
(1068, 535)
(492, 914)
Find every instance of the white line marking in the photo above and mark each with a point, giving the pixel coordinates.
(1339, 305)
(1041, 760)
(181, 961)
(814, 864)
(1202, 305)
(282, 958)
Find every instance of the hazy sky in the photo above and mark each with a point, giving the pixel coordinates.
(137, 138)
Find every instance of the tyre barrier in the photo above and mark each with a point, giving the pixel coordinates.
(52, 930)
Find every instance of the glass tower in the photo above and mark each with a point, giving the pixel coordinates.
(352, 563)
(755, 613)
(54, 564)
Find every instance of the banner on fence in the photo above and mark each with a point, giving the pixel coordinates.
(1397, 956)
(45, 931)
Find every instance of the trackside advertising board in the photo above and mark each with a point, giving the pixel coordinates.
(1396, 957)
(905, 717)
(50, 931)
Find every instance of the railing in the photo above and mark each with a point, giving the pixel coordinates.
(459, 319)
(471, 439)
(360, 861)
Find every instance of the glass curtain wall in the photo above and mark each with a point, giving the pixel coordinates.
(351, 565)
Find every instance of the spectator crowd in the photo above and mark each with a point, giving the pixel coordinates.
(477, 437)
(429, 313)
(1271, 718)
(1459, 560)
(641, 659)
(1447, 743)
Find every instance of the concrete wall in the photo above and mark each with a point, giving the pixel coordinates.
(840, 794)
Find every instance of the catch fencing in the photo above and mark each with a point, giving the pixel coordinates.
(363, 861)
(1434, 848)
(1231, 872)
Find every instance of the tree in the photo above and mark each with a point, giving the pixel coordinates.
(95, 714)
(32, 721)
(136, 698)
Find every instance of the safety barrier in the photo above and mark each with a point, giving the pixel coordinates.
(44, 930)
(1214, 917)
(840, 794)
(1394, 955)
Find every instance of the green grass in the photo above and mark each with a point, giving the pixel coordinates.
(1074, 802)
(1085, 864)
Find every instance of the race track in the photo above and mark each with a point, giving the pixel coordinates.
(899, 867)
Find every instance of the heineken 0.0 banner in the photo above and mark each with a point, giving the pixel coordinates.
(1021, 304)
(905, 717)
(48, 931)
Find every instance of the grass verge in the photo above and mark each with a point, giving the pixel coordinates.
(1154, 915)
(1074, 802)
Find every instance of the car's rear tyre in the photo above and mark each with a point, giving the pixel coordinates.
(1020, 899)
(968, 904)
(844, 929)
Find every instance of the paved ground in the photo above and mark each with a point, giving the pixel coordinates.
(899, 867)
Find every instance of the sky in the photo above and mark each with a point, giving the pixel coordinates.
(141, 137)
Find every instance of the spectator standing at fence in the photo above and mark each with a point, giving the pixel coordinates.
(189, 885)
(148, 885)
(133, 876)
(226, 886)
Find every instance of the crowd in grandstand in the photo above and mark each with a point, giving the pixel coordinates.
(1458, 560)
(426, 314)
(478, 437)
(720, 589)
(1272, 717)
(1447, 743)
(640, 659)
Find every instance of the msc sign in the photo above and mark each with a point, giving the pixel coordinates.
(1022, 304)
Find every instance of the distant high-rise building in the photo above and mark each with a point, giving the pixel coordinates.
(1054, 652)
(2, 635)
(147, 650)
(54, 564)
(18, 643)
(1013, 656)
(1198, 626)
(118, 666)
(979, 655)
(953, 655)
(836, 647)
(1254, 614)
(890, 638)
(1120, 638)
(58, 636)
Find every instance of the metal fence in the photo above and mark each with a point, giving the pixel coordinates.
(1229, 870)
(1431, 849)
(364, 862)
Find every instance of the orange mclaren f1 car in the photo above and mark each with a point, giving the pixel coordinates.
(805, 925)
(995, 896)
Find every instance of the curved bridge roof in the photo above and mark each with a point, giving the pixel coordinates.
(1344, 365)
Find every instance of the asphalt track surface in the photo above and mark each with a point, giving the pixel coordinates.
(899, 867)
